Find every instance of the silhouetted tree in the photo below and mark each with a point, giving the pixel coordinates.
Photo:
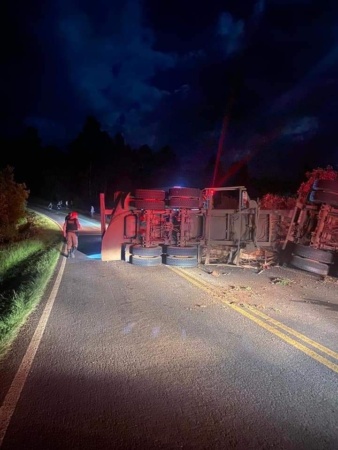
(144, 167)
(166, 167)
(13, 198)
(25, 156)
(122, 166)
(90, 161)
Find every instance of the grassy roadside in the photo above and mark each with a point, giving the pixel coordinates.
(26, 267)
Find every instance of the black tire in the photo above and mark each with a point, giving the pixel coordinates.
(185, 192)
(309, 265)
(326, 185)
(180, 261)
(182, 251)
(313, 253)
(139, 250)
(324, 197)
(183, 202)
(150, 194)
(150, 261)
(149, 204)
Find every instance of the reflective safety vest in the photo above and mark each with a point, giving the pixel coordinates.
(71, 225)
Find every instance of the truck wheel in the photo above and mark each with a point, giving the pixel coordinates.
(309, 265)
(150, 194)
(181, 261)
(324, 197)
(313, 253)
(139, 250)
(150, 261)
(149, 204)
(185, 192)
(326, 185)
(182, 251)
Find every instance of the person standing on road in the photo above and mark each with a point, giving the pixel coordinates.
(71, 228)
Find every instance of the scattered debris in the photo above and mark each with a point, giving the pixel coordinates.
(215, 273)
(240, 288)
(260, 258)
(281, 281)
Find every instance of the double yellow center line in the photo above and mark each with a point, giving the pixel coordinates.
(280, 330)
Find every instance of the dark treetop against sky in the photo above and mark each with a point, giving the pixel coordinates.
(168, 72)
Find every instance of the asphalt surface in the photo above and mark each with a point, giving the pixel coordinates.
(135, 357)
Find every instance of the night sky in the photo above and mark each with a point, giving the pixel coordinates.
(170, 72)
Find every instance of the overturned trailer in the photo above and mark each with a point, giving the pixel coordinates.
(186, 226)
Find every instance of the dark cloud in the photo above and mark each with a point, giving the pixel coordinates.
(168, 72)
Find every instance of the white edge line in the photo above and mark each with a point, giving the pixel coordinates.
(9, 404)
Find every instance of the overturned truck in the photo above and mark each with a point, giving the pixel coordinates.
(186, 226)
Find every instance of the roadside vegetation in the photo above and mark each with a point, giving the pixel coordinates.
(29, 251)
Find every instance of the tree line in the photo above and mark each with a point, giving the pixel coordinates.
(92, 163)
(96, 162)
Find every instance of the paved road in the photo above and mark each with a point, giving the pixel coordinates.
(128, 357)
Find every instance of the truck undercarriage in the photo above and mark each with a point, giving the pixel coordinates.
(187, 226)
